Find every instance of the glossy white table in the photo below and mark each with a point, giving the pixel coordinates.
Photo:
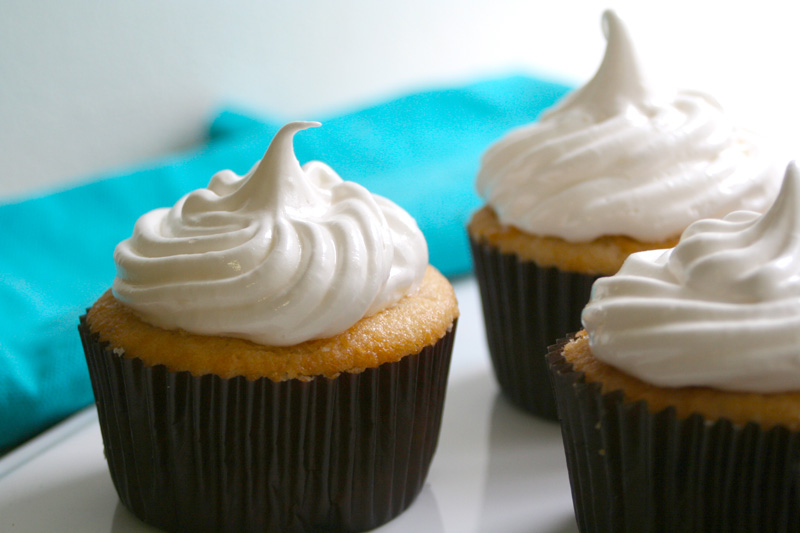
(497, 469)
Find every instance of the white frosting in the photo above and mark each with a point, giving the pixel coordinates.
(279, 256)
(617, 157)
(721, 309)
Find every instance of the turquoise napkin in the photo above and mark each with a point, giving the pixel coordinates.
(421, 150)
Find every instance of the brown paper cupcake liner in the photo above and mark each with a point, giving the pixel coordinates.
(525, 309)
(205, 453)
(634, 470)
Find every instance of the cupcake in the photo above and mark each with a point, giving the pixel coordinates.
(272, 355)
(615, 168)
(680, 402)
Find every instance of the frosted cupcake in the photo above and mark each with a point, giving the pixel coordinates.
(273, 354)
(615, 168)
(680, 402)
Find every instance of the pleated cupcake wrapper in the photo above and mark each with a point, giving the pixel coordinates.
(211, 454)
(525, 309)
(638, 471)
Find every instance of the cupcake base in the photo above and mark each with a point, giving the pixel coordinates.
(205, 453)
(635, 470)
(525, 309)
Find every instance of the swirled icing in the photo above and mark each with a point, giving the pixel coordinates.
(279, 256)
(617, 157)
(721, 309)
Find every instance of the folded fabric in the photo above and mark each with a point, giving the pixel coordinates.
(421, 150)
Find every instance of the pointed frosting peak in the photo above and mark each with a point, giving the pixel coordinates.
(721, 309)
(277, 180)
(280, 158)
(787, 204)
(745, 257)
(618, 82)
(619, 157)
(279, 256)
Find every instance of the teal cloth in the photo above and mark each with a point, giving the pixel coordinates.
(421, 150)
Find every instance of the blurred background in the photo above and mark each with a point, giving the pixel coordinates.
(88, 87)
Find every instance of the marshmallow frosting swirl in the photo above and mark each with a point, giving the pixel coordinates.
(282, 255)
(721, 309)
(617, 157)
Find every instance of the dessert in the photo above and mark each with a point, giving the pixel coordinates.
(272, 355)
(616, 167)
(680, 402)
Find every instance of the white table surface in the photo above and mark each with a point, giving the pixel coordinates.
(496, 469)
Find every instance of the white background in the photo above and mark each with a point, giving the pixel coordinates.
(88, 86)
